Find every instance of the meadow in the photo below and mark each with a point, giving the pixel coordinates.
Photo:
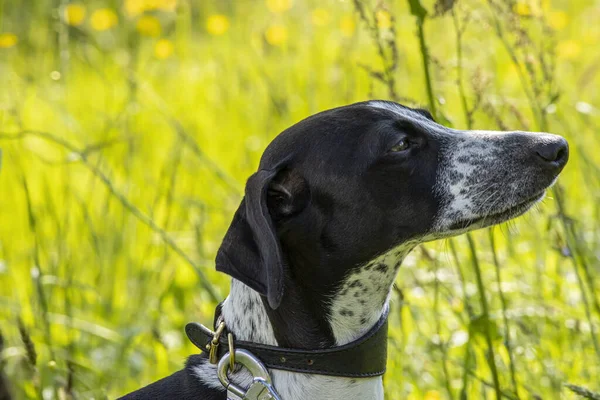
(128, 128)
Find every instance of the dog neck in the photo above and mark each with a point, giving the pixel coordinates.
(355, 308)
(247, 318)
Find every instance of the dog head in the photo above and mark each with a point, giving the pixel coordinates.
(342, 187)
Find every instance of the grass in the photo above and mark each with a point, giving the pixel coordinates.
(127, 138)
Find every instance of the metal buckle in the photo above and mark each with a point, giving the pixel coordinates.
(261, 387)
(214, 343)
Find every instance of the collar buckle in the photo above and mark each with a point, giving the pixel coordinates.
(261, 387)
(213, 346)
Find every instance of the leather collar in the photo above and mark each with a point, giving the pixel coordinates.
(364, 357)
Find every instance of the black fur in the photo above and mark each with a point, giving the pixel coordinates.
(181, 385)
(329, 166)
(331, 194)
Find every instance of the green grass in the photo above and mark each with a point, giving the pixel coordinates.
(121, 171)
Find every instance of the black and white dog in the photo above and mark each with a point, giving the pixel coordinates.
(338, 201)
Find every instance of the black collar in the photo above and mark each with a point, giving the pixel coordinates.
(364, 357)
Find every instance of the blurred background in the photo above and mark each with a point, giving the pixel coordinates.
(128, 128)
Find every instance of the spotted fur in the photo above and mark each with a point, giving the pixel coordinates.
(481, 179)
(364, 295)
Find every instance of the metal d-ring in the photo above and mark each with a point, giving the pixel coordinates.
(231, 351)
(214, 343)
(246, 359)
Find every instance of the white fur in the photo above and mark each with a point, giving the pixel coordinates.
(462, 203)
(290, 385)
(482, 174)
(363, 296)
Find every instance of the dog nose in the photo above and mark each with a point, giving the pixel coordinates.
(554, 152)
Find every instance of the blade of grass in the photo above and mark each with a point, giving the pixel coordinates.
(124, 202)
(486, 316)
(507, 340)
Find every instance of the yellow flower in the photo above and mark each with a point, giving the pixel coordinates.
(149, 25)
(558, 19)
(167, 5)
(153, 4)
(217, 24)
(432, 395)
(8, 40)
(523, 9)
(163, 49)
(74, 14)
(320, 17)
(137, 7)
(134, 7)
(546, 5)
(590, 37)
(103, 19)
(384, 19)
(568, 49)
(279, 6)
(276, 35)
(347, 25)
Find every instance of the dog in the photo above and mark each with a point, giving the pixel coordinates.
(338, 201)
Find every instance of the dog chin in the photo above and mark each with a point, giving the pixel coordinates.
(492, 218)
(498, 217)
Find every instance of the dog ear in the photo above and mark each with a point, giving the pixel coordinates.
(251, 251)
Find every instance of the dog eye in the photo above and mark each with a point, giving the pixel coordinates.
(400, 146)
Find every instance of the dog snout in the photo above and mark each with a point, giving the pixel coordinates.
(552, 152)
